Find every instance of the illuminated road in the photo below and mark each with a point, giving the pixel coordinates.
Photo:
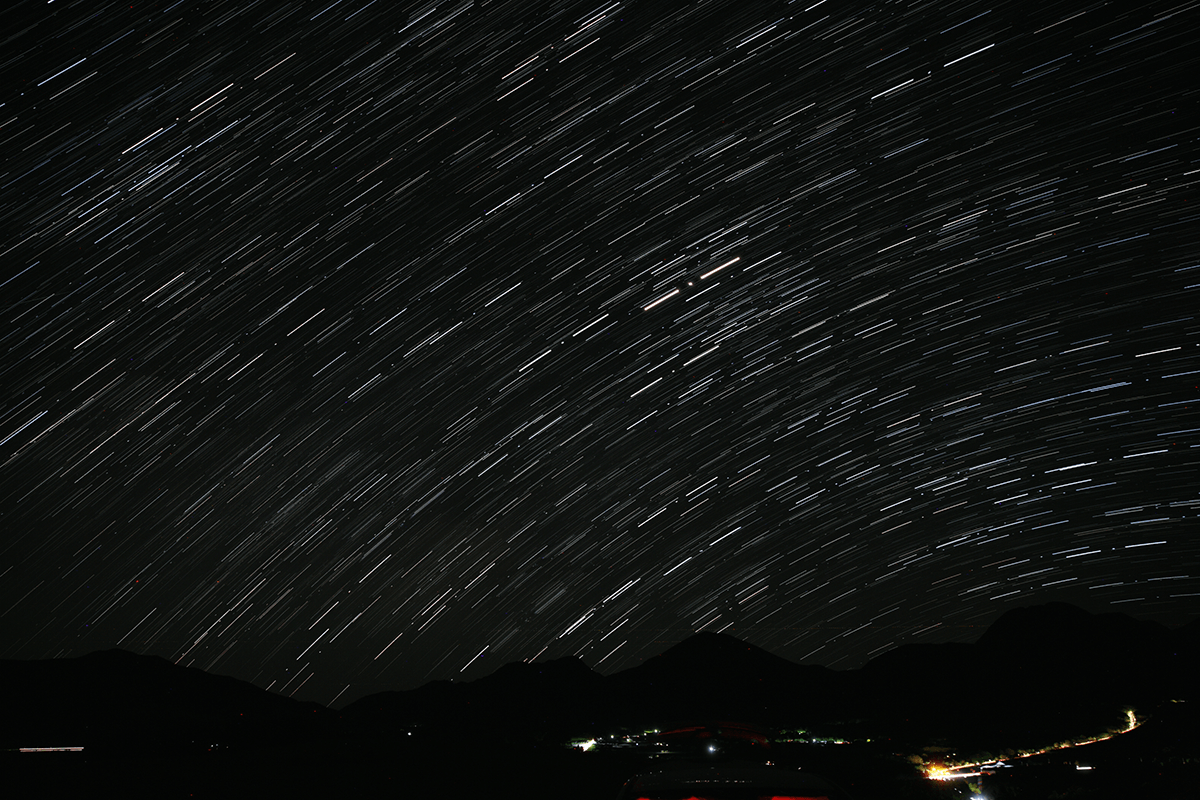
(969, 770)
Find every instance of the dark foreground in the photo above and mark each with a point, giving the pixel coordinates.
(486, 766)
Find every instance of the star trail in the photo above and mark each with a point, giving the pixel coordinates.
(353, 345)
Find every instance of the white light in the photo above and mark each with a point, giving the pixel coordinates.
(666, 296)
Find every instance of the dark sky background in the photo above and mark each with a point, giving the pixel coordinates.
(353, 345)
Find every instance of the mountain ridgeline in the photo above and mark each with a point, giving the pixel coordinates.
(1043, 673)
(1037, 675)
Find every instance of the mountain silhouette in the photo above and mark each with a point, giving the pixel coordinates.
(114, 700)
(1038, 673)
(1060, 647)
(715, 675)
(1048, 671)
(519, 697)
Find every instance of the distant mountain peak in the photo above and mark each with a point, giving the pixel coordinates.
(1057, 625)
(557, 670)
(717, 653)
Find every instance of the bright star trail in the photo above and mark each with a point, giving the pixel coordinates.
(349, 346)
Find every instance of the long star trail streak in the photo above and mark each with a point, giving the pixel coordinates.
(470, 332)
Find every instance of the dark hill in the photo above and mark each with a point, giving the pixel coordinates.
(115, 700)
(1063, 630)
(717, 676)
(706, 676)
(1038, 675)
(925, 667)
(1057, 647)
(522, 699)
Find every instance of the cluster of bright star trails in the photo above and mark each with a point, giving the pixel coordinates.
(352, 345)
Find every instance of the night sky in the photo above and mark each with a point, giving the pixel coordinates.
(350, 346)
